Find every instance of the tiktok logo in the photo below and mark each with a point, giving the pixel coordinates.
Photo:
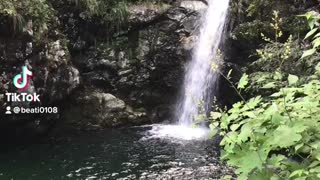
(21, 81)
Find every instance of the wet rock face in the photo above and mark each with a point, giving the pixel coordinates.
(95, 110)
(146, 66)
(54, 78)
(139, 72)
(194, 5)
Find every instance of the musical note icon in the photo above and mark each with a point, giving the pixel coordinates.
(21, 81)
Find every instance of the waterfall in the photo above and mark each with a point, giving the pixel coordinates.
(199, 77)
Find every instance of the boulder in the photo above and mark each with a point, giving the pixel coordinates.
(90, 109)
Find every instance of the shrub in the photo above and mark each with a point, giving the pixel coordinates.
(275, 134)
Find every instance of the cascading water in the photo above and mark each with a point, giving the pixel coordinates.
(199, 77)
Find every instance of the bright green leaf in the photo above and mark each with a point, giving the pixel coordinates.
(314, 163)
(215, 115)
(269, 85)
(298, 173)
(292, 79)
(310, 33)
(243, 81)
(246, 160)
(317, 35)
(298, 146)
(285, 136)
(316, 43)
(277, 118)
(213, 133)
(308, 53)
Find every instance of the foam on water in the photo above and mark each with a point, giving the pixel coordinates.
(178, 132)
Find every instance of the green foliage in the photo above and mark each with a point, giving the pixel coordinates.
(313, 22)
(275, 134)
(283, 126)
(243, 82)
(257, 8)
(249, 31)
(254, 17)
(113, 12)
(40, 14)
(292, 79)
(38, 11)
(275, 54)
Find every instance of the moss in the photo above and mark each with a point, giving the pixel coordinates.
(38, 11)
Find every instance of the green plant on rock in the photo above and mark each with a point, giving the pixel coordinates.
(90, 6)
(37, 11)
(273, 135)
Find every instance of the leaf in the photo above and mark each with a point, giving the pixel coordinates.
(310, 33)
(318, 68)
(225, 121)
(262, 175)
(316, 43)
(247, 160)
(298, 146)
(308, 53)
(316, 154)
(229, 74)
(314, 163)
(276, 118)
(317, 169)
(298, 173)
(215, 115)
(245, 132)
(250, 114)
(213, 133)
(292, 79)
(277, 94)
(234, 127)
(253, 102)
(277, 76)
(285, 136)
(317, 35)
(269, 85)
(311, 23)
(243, 81)
(308, 15)
(227, 177)
(299, 127)
(276, 160)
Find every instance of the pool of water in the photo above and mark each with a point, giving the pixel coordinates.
(128, 153)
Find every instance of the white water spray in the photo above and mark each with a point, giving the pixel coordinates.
(199, 77)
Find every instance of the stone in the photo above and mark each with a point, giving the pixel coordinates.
(97, 109)
(98, 84)
(194, 5)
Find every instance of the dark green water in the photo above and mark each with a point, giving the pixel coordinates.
(113, 154)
